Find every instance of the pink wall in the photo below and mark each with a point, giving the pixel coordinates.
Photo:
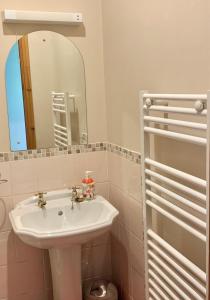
(24, 270)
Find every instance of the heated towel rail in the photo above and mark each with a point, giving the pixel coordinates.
(61, 118)
(177, 196)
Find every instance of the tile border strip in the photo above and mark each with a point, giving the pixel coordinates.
(124, 152)
(75, 149)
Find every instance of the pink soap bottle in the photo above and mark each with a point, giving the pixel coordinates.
(88, 186)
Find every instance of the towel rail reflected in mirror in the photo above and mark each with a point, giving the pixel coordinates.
(45, 93)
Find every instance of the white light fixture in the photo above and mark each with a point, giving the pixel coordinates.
(41, 17)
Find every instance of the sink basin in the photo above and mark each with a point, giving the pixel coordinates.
(57, 225)
(62, 230)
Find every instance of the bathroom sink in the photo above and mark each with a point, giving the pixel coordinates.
(57, 224)
(62, 229)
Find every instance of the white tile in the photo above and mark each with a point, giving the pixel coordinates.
(80, 166)
(24, 252)
(5, 188)
(100, 261)
(26, 277)
(126, 175)
(19, 198)
(7, 248)
(3, 282)
(49, 172)
(102, 188)
(136, 253)
(101, 240)
(96, 261)
(120, 201)
(6, 205)
(24, 176)
(68, 173)
(92, 161)
(115, 169)
(135, 218)
(137, 285)
(97, 162)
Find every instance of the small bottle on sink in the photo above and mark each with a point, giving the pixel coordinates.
(88, 186)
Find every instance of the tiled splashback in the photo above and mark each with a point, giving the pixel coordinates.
(24, 270)
(75, 149)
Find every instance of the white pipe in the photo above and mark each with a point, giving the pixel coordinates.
(181, 187)
(174, 276)
(176, 136)
(177, 173)
(59, 105)
(58, 94)
(176, 220)
(194, 125)
(59, 110)
(60, 138)
(168, 280)
(60, 132)
(60, 99)
(186, 262)
(61, 144)
(152, 292)
(177, 197)
(164, 286)
(176, 110)
(185, 97)
(177, 209)
(178, 268)
(61, 127)
(160, 292)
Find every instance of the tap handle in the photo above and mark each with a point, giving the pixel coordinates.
(40, 194)
(75, 188)
(3, 180)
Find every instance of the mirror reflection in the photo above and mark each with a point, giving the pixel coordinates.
(45, 88)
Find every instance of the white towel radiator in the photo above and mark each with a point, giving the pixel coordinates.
(61, 114)
(174, 195)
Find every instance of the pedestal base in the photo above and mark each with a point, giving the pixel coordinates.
(66, 273)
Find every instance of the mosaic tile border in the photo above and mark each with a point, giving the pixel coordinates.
(124, 152)
(75, 149)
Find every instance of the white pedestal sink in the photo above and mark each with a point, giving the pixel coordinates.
(62, 230)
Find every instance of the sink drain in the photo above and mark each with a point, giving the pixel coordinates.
(60, 213)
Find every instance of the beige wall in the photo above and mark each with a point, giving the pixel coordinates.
(89, 41)
(159, 46)
(154, 45)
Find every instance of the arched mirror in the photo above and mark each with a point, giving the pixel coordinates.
(45, 88)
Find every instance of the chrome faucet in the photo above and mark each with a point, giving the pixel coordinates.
(75, 196)
(41, 201)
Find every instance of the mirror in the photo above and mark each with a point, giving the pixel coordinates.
(45, 90)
